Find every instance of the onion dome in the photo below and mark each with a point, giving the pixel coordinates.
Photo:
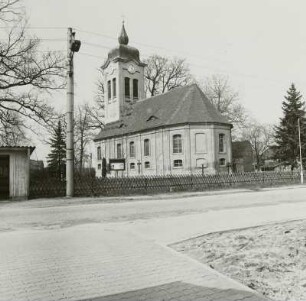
(123, 52)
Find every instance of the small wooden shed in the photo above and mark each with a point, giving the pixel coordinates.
(15, 171)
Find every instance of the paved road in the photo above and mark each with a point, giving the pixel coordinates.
(41, 213)
(91, 249)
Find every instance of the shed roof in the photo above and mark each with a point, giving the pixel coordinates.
(184, 105)
(16, 148)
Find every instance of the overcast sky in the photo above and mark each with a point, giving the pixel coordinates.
(260, 44)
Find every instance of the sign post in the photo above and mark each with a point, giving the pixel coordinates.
(117, 164)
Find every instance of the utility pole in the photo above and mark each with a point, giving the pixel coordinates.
(73, 46)
(300, 146)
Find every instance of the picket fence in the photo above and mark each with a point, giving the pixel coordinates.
(44, 185)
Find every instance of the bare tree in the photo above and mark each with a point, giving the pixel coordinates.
(96, 111)
(261, 138)
(11, 129)
(27, 76)
(83, 134)
(163, 74)
(225, 99)
(9, 11)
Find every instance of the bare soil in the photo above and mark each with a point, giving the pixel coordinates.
(269, 259)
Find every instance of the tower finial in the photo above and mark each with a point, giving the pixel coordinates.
(123, 37)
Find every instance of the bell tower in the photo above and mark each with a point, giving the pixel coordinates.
(123, 79)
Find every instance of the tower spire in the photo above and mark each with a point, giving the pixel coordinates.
(123, 37)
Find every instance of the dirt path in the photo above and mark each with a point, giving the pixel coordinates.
(270, 259)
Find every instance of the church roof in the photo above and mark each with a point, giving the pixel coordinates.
(184, 105)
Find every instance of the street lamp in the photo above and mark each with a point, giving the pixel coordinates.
(300, 147)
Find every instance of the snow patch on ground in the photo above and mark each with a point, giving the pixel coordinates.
(270, 259)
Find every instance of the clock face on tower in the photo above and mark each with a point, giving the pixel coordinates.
(131, 69)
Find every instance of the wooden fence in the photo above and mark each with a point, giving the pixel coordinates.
(88, 185)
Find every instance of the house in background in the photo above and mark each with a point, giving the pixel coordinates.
(242, 156)
(271, 163)
(178, 132)
(15, 171)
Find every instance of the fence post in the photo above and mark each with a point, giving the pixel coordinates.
(191, 181)
(146, 185)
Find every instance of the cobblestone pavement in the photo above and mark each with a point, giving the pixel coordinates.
(91, 261)
(73, 258)
(181, 291)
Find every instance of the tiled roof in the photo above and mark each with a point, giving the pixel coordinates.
(13, 147)
(184, 105)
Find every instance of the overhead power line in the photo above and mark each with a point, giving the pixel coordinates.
(96, 45)
(92, 55)
(179, 52)
(41, 39)
(33, 27)
(187, 54)
(97, 34)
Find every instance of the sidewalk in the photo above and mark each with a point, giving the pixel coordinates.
(91, 262)
(178, 228)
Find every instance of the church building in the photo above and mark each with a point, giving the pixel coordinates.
(178, 132)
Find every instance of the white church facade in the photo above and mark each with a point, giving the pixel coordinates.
(178, 132)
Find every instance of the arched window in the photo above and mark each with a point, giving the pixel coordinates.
(146, 147)
(119, 150)
(99, 155)
(147, 164)
(114, 87)
(132, 149)
(135, 88)
(132, 165)
(127, 87)
(221, 143)
(177, 144)
(109, 90)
